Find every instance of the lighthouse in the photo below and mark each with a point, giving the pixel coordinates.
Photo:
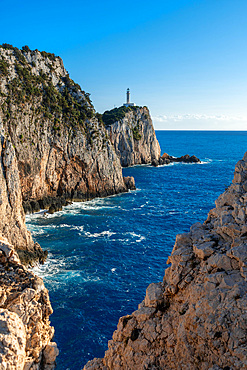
(128, 104)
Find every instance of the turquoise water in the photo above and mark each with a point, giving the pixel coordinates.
(104, 253)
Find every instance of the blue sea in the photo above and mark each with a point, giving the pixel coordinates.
(104, 253)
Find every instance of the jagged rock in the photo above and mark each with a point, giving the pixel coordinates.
(132, 135)
(196, 318)
(12, 341)
(130, 182)
(166, 159)
(12, 225)
(50, 354)
(60, 143)
(25, 331)
(155, 163)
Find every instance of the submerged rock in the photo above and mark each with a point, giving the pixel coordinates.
(196, 318)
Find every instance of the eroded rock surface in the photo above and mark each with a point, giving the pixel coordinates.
(167, 159)
(133, 135)
(25, 331)
(60, 142)
(197, 317)
(12, 217)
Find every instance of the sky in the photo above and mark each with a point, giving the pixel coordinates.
(184, 59)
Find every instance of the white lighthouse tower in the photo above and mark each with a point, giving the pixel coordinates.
(128, 104)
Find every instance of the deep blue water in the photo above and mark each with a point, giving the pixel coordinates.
(104, 253)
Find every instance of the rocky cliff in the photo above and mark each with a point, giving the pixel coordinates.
(12, 217)
(25, 331)
(196, 318)
(51, 132)
(60, 142)
(131, 131)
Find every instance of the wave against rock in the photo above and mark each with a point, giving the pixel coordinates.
(196, 318)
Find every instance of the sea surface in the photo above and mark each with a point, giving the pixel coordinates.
(104, 253)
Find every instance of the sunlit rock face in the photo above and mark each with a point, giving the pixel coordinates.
(25, 331)
(54, 146)
(196, 318)
(132, 134)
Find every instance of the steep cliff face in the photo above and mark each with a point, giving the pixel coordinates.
(60, 142)
(132, 133)
(25, 331)
(196, 318)
(12, 218)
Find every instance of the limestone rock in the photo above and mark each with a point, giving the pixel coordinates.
(12, 218)
(196, 318)
(25, 331)
(133, 136)
(130, 182)
(54, 147)
(12, 341)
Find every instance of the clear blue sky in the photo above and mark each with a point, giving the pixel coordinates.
(185, 59)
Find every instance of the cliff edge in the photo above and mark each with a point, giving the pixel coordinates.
(54, 146)
(131, 131)
(196, 318)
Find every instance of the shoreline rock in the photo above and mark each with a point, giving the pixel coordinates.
(167, 159)
(196, 318)
(54, 147)
(25, 331)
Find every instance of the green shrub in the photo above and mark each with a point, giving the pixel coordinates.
(4, 67)
(111, 116)
(136, 133)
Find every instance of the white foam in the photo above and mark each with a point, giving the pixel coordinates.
(98, 235)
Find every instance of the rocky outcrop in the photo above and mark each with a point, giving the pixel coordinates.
(196, 318)
(25, 331)
(61, 144)
(167, 159)
(12, 217)
(130, 182)
(131, 131)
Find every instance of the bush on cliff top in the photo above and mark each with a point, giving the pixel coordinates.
(111, 116)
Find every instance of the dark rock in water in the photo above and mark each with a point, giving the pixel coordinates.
(130, 182)
(52, 209)
(35, 206)
(27, 207)
(166, 159)
(188, 159)
(155, 163)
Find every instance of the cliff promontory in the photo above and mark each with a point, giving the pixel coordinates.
(131, 131)
(55, 146)
(196, 318)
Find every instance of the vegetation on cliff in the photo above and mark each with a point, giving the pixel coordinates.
(59, 143)
(64, 103)
(132, 133)
(111, 116)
